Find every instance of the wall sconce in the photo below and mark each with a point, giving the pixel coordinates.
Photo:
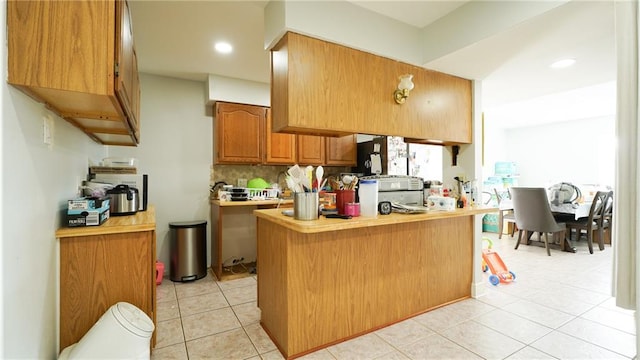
(405, 85)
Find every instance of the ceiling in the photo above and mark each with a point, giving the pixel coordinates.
(513, 65)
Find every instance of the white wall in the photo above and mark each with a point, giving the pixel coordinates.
(222, 88)
(494, 148)
(344, 23)
(37, 180)
(176, 151)
(579, 151)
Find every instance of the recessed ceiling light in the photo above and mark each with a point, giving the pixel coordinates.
(562, 63)
(223, 47)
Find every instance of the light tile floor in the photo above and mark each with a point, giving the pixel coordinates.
(559, 307)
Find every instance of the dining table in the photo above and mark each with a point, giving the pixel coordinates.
(577, 210)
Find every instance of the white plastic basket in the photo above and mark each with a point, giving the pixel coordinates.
(262, 193)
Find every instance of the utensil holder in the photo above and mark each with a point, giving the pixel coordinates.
(305, 206)
(344, 197)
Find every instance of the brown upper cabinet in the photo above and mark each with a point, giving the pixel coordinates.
(238, 134)
(281, 148)
(311, 150)
(78, 58)
(318, 87)
(243, 135)
(320, 150)
(341, 150)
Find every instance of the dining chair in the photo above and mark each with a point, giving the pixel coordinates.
(590, 225)
(606, 218)
(533, 214)
(504, 215)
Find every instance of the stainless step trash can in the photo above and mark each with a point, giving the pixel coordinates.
(188, 245)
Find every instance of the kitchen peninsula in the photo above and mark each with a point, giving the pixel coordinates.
(328, 280)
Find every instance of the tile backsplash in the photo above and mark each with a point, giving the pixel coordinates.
(231, 173)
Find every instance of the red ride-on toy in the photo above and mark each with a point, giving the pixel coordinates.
(492, 261)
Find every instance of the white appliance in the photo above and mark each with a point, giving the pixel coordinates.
(139, 182)
(403, 189)
(122, 332)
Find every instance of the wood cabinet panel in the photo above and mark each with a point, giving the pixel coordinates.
(126, 65)
(311, 150)
(102, 265)
(63, 53)
(243, 135)
(341, 150)
(292, 293)
(280, 148)
(308, 94)
(99, 271)
(238, 133)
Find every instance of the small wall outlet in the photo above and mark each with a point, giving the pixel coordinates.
(232, 261)
(242, 183)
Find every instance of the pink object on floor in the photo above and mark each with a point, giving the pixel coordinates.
(159, 272)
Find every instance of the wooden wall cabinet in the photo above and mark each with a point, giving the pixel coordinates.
(320, 150)
(281, 148)
(342, 150)
(311, 150)
(78, 58)
(238, 134)
(309, 95)
(127, 79)
(243, 136)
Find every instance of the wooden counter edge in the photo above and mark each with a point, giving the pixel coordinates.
(140, 221)
(323, 224)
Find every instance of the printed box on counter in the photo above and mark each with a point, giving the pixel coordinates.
(87, 212)
(441, 203)
(86, 203)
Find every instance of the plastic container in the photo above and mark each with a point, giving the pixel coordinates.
(305, 206)
(119, 162)
(327, 200)
(368, 195)
(159, 272)
(352, 209)
(344, 197)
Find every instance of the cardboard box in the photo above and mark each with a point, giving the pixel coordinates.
(87, 212)
(86, 203)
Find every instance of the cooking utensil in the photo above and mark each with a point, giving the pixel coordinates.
(319, 175)
(338, 216)
(308, 171)
(291, 184)
(299, 177)
(324, 182)
(335, 184)
(353, 183)
(346, 181)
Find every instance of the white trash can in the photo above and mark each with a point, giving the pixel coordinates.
(122, 332)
